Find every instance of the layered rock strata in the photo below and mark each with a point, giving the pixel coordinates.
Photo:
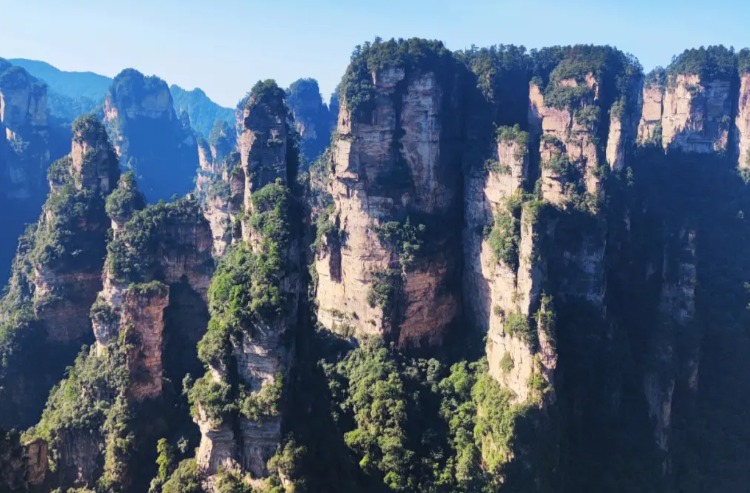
(393, 162)
(261, 353)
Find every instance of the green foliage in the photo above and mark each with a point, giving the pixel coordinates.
(606, 64)
(119, 447)
(513, 134)
(187, 478)
(328, 235)
(231, 482)
(376, 397)
(264, 403)
(286, 460)
(743, 61)
(504, 237)
(588, 116)
(88, 128)
(165, 458)
(714, 62)
(149, 289)
(102, 313)
(270, 217)
(494, 166)
(495, 422)
(383, 290)
(134, 254)
(58, 174)
(356, 86)
(517, 325)
(658, 76)
(266, 92)
(62, 240)
(125, 200)
(87, 401)
(405, 240)
(506, 363)
(214, 398)
(561, 165)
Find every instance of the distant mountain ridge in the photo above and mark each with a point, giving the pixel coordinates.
(72, 84)
(74, 93)
(203, 112)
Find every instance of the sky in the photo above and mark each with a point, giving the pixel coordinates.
(225, 46)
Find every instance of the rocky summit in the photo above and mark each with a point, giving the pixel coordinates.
(483, 270)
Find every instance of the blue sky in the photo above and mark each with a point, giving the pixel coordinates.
(224, 46)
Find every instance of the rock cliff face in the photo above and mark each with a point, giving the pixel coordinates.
(260, 352)
(696, 115)
(743, 121)
(177, 249)
(598, 286)
(148, 135)
(395, 166)
(28, 143)
(502, 276)
(692, 113)
(57, 271)
(677, 310)
(650, 127)
(220, 185)
(313, 120)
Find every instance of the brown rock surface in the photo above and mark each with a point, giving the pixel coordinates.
(397, 161)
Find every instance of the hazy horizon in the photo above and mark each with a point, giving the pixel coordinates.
(224, 47)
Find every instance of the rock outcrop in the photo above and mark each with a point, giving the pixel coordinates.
(221, 185)
(502, 275)
(313, 119)
(57, 271)
(28, 143)
(395, 167)
(176, 248)
(650, 127)
(687, 112)
(743, 121)
(148, 135)
(261, 347)
(696, 115)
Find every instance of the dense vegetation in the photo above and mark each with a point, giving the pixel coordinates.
(135, 254)
(204, 113)
(356, 86)
(369, 416)
(246, 289)
(714, 62)
(70, 237)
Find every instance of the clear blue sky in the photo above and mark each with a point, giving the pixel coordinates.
(224, 46)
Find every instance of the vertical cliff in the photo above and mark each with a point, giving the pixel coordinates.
(29, 141)
(313, 119)
(220, 184)
(149, 136)
(24, 145)
(58, 268)
(157, 257)
(585, 331)
(395, 182)
(254, 298)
